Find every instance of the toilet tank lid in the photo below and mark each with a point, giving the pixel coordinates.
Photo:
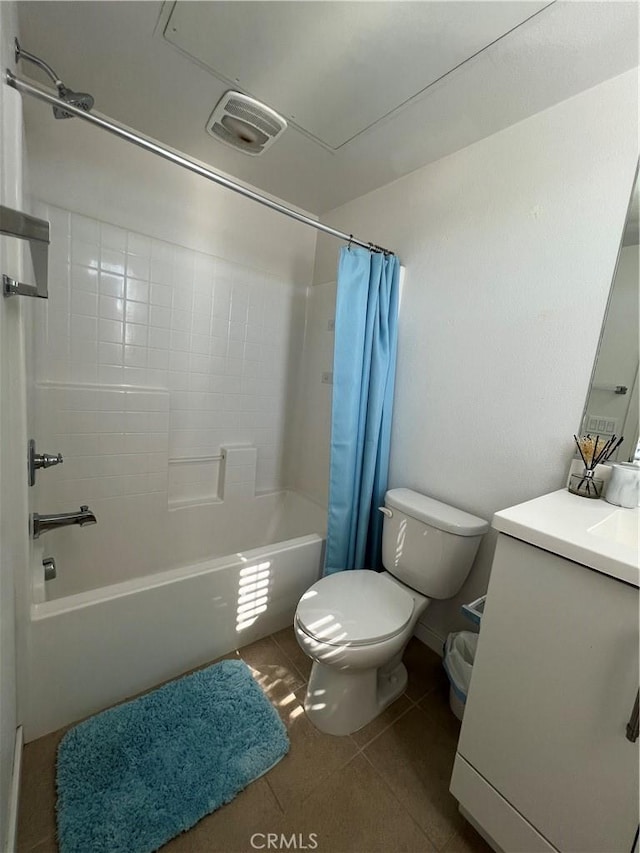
(435, 513)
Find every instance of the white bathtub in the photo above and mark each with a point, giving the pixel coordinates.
(140, 535)
(90, 649)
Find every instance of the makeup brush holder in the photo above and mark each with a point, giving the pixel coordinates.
(586, 484)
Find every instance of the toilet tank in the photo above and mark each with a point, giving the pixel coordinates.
(429, 545)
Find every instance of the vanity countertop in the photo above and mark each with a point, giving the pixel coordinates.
(592, 532)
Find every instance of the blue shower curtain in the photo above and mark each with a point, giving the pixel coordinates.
(363, 380)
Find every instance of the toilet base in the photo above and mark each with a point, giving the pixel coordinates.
(341, 701)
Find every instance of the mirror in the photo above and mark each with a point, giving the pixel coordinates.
(612, 401)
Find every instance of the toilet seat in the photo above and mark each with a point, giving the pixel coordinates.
(358, 607)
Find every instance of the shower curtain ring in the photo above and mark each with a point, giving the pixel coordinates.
(350, 241)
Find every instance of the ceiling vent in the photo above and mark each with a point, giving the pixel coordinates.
(245, 124)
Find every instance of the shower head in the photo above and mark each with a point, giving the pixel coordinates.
(82, 100)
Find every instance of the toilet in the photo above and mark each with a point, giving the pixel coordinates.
(354, 625)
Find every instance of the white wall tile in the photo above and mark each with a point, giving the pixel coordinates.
(132, 311)
(239, 310)
(160, 317)
(111, 285)
(135, 356)
(134, 375)
(111, 309)
(112, 237)
(161, 295)
(83, 302)
(85, 254)
(136, 312)
(110, 331)
(111, 261)
(201, 323)
(160, 271)
(109, 374)
(84, 278)
(138, 244)
(137, 267)
(180, 320)
(137, 289)
(136, 334)
(83, 328)
(84, 229)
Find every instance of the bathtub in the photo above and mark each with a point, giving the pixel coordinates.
(86, 650)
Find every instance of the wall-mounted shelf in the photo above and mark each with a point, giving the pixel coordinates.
(15, 223)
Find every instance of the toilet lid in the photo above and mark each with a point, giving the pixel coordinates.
(357, 606)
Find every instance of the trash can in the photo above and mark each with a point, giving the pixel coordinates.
(459, 654)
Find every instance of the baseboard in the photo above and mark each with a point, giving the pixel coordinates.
(14, 793)
(429, 637)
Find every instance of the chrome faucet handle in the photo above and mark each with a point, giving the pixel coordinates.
(40, 460)
(46, 460)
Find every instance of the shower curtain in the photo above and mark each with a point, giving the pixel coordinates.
(363, 381)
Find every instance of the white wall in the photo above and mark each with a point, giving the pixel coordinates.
(13, 446)
(509, 247)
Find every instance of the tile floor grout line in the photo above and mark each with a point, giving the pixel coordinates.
(50, 836)
(451, 837)
(441, 728)
(439, 724)
(291, 661)
(275, 796)
(338, 769)
(382, 731)
(399, 801)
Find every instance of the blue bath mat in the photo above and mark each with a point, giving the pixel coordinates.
(135, 776)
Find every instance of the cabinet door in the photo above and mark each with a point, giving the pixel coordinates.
(553, 686)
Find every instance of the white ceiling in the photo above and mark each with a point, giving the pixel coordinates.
(425, 102)
(362, 62)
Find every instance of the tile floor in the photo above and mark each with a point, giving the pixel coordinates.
(385, 788)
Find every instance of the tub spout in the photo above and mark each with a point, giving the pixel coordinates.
(42, 523)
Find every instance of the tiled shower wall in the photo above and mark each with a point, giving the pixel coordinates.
(126, 311)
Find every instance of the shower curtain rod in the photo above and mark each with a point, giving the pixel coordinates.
(123, 132)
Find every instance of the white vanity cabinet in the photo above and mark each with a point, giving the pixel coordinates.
(543, 761)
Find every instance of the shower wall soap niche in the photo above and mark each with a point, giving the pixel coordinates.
(194, 480)
(229, 475)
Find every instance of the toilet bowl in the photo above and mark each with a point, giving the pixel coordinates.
(354, 625)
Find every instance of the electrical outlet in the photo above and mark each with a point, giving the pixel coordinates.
(601, 424)
(327, 378)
